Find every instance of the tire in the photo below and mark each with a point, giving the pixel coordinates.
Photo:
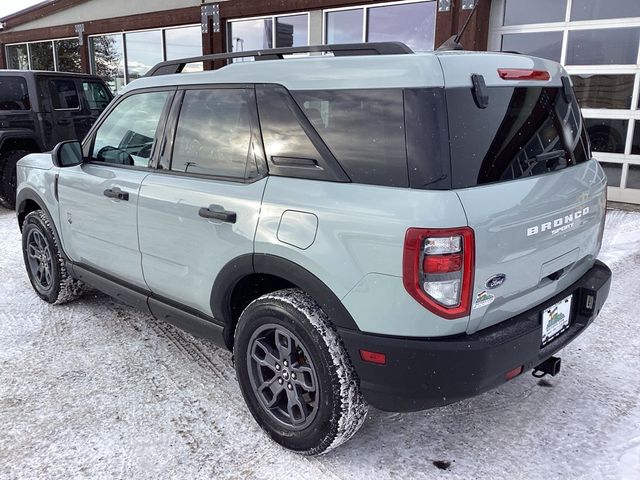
(8, 180)
(44, 262)
(301, 418)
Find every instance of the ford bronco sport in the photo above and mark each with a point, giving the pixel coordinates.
(40, 109)
(373, 227)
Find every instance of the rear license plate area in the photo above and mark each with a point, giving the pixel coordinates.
(556, 320)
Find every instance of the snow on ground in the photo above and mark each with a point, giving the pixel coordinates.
(95, 389)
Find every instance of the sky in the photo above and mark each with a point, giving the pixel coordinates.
(7, 7)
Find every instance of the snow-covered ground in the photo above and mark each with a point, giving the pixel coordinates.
(95, 389)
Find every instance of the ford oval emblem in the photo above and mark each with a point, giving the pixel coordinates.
(496, 281)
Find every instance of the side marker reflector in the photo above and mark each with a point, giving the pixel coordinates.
(373, 357)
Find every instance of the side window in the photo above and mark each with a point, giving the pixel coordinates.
(213, 136)
(14, 94)
(96, 95)
(127, 135)
(64, 94)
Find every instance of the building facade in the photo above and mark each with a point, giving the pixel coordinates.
(598, 41)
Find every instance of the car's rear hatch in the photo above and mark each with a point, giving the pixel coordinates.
(520, 165)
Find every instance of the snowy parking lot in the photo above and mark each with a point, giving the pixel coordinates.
(95, 389)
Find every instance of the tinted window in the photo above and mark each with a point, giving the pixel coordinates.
(601, 9)
(633, 177)
(607, 135)
(518, 12)
(41, 56)
(603, 91)
(248, 35)
(96, 95)
(635, 145)
(608, 46)
(68, 55)
(411, 23)
(14, 94)
(64, 95)
(613, 172)
(127, 135)
(214, 133)
(291, 31)
(344, 26)
(17, 57)
(184, 43)
(524, 131)
(364, 129)
(544, 45)
(144, 50)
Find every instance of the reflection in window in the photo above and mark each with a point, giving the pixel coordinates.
(614, 173)
(609, 46)
(17, 57)
(68, 55)
(603, 91)
(249, 35)
(633, 176)
(41, 56)
(214, 133)
(126, 136)
(107, 57)
(64, 95)
(410, 23)
(292, 31)
(603, 9)
(519, 12)
(607, 135)
(97, 96)
(635, 145)
(344, 26)
(545, 45)
(184, 43)
(14, 94)
(144, 50)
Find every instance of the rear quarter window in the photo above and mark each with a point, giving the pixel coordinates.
(364, 129)
(14, 94)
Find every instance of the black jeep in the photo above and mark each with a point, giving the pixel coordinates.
(40, 109)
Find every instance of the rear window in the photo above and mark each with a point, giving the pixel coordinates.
(364, 129)
(14, 94)
(64, 94)
(524, 131)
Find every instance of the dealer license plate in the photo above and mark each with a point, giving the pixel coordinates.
(556, 319)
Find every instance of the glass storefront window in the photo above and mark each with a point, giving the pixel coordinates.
(519, 12)
(292, 31)
(604, 9)
(41, 54)
(603, 91)
(184, 43)
(68, 55)
(107, 56)
(607, 136)
(635, 145)
(17, 57)
(144, 50)
(410, 23)
(633, 176)
(614, 173)
(605, 46)
(344, 26)
(245, 35)
(545, 45)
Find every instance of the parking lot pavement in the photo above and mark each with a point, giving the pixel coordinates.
(95, 389)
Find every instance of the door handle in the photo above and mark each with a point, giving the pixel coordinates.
(116, 193)
(217, 212)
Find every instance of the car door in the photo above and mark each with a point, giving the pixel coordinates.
(62, 101)
(98, 199)
(96, 97)
(200, 209)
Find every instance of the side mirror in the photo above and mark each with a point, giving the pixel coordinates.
(67, 154)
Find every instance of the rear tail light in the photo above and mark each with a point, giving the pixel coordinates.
(437, 269)
(523, 74)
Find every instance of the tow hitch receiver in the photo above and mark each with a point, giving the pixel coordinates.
(550, 366)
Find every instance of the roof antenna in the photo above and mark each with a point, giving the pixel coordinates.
(453, 43)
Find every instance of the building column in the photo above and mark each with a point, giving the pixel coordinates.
(3, 58)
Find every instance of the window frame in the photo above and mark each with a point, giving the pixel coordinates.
(88, 143)
(497, 29)
(53, 41)
(52, 79)
(166, 155)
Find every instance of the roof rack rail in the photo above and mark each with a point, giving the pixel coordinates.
(338, 50)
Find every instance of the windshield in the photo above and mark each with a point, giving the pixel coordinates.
(524, 131)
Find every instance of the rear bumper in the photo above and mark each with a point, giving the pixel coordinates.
(425, 373)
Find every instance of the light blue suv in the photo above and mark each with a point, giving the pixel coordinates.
(374, 226)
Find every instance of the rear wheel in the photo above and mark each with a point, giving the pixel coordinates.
(295, 374)
(44, 262)
(8, 179)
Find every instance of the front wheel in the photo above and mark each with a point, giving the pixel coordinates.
(295, 374)
(44, 262)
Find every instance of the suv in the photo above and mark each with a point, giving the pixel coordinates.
(40, 109)
(377, 227)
